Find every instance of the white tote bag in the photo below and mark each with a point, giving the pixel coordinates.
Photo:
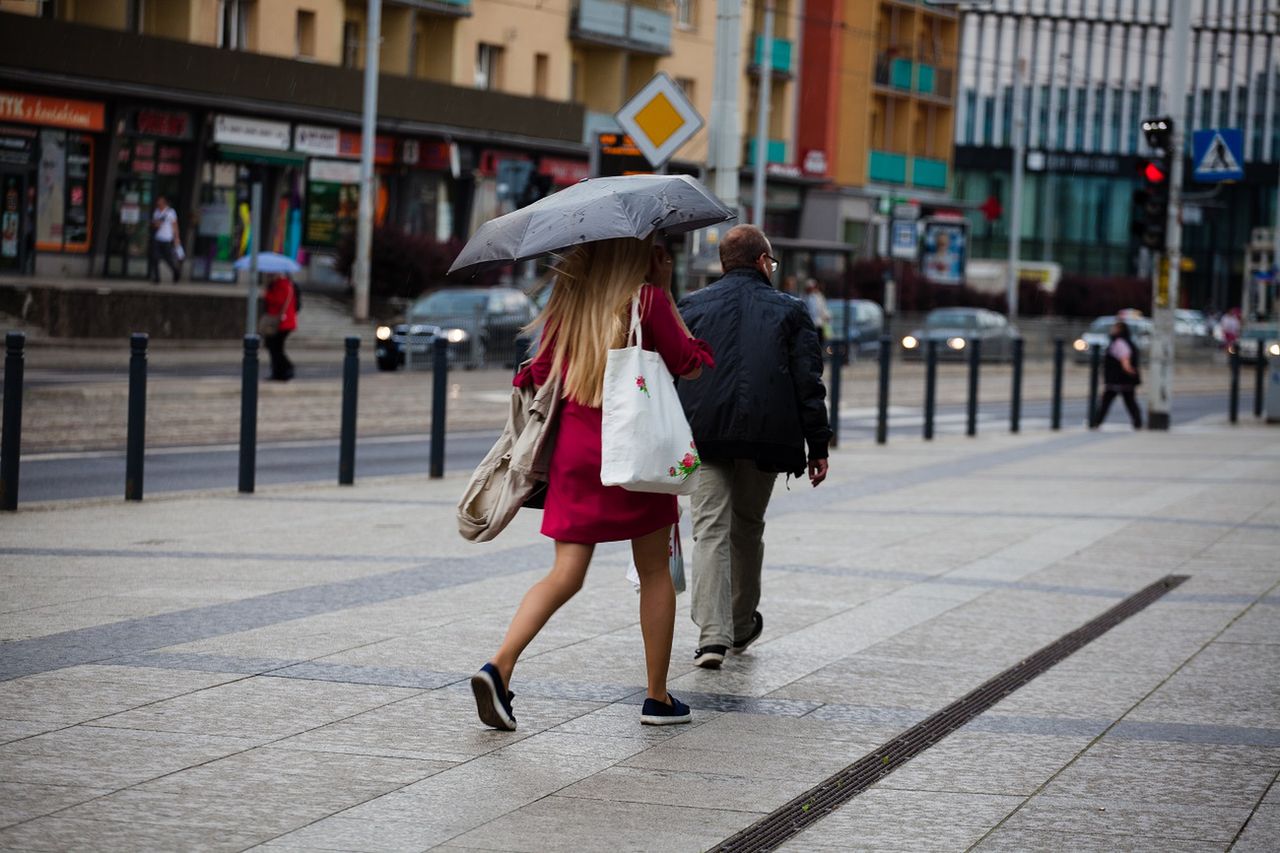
(645, 441)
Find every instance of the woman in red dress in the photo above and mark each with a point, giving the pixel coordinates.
(587, 315)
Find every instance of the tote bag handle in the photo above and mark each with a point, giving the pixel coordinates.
(635, 334)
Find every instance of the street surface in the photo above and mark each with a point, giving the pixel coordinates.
(289, 669)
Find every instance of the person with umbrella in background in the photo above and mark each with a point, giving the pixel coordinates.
(610, 225)
(280, 317)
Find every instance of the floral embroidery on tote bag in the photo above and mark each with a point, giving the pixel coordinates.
(687, 465)
(643, 386)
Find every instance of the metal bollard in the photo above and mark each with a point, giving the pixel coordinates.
(1259, 379)
(1095, 361)
(1015, 406)
(930, 385)
(837, 356)
(1234, 408)
(11, 430)
(249, 413)
(350, 386)
(882, 396)
(975, 356)
(136, 443)
(439, 395)
(1059, 356)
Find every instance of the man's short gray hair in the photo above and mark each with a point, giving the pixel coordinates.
(742, 246)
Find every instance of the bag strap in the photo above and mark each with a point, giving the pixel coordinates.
(635, 333)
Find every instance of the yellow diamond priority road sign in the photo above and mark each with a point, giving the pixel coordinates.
(659, 119)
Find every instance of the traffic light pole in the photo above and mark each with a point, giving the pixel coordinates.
(1165, 281)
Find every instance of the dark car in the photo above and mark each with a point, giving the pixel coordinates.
(866, 322)
(954, 328)
(1253, 340)
(480, 323)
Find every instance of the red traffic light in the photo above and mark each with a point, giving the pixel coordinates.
(991, 209)
(1154, 173)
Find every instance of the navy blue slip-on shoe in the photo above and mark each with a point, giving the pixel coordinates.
(757, 628)
(655, 713)
(493, 700)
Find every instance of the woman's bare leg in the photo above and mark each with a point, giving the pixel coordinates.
(543, 599)
(657, 606)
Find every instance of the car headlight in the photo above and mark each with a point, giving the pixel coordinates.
(1274, 349)
(1080, 345)
(456, 336)
(956, 343)
(383, 333)
(909, 342)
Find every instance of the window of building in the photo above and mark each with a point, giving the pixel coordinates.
(686, 14)
(541, 64)
(488, 66)
(686, 85)
(575, 81)
(351, 44)
(233, 23)
(305, 34)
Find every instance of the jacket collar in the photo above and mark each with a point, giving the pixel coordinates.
(750, 274)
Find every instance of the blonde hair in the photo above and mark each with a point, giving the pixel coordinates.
(589, 312)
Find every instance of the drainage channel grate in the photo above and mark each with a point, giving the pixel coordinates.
(774, 829)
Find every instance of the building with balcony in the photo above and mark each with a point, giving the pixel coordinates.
(877, 107)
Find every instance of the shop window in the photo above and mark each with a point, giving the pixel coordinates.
(305, 34)
(540, 63)
(351, 44)
(64, 194)
(686, 85)
(488, 66)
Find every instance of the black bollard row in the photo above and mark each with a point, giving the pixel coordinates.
(135, 443)
(439, 395)
(1095, 362)
(930, 386)
(882, 395)
(1059, 356)
(350, 394)
(249, 414)
(11, 428)
(975, 356)
(1015, 404)
(1234, 407)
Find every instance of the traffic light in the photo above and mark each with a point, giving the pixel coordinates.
(1151, 198)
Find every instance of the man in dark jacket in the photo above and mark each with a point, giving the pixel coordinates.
(751, 417)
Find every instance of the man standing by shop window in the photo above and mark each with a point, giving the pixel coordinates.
(165, 245)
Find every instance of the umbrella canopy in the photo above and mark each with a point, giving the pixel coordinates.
(270, 262)
(590, 210)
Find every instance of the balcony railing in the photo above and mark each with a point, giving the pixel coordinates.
(629, 26)
(775, 151)
(890, 167)
(779, 59)
(921, 77)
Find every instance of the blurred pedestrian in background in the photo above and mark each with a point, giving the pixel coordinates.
(166, 242)
(1120, 373)
(751, 420)
(818, 311)
(280, 317)
(588, 314)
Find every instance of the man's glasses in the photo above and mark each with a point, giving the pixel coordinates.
(773, 263)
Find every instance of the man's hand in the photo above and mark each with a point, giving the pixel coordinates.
(817, 471)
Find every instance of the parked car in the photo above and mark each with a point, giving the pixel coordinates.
(1188, 323)
(480, 324)
(1251, 341)
(866, 322)
(953, 328)
(1099, 332)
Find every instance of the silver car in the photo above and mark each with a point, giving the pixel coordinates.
(1099, 333)
(954, 328)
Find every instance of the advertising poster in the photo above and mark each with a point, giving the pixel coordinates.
(945, 251)
(52, 190)
(10, 217)
(75, 231)
(331, 213)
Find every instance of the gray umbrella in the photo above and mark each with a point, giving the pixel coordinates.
(593, 209)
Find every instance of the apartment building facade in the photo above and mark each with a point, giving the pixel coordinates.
(115, 102)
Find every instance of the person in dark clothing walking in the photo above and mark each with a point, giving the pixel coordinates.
(752, 418)
(1120, 373)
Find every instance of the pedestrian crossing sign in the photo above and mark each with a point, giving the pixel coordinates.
(1217, 155)
(659, 119)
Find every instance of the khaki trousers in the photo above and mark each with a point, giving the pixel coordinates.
(728, 551)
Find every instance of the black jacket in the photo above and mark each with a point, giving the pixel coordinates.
(1113, 371)
(765, 398)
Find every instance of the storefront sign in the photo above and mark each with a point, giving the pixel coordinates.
(310, 139)
(433, 155)
(251, 132)
(16, 146)
(51, 112)
(815, 163)
(334, 171)
(384, 147)
(563, 172)
(174, 125)
(618, 155)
